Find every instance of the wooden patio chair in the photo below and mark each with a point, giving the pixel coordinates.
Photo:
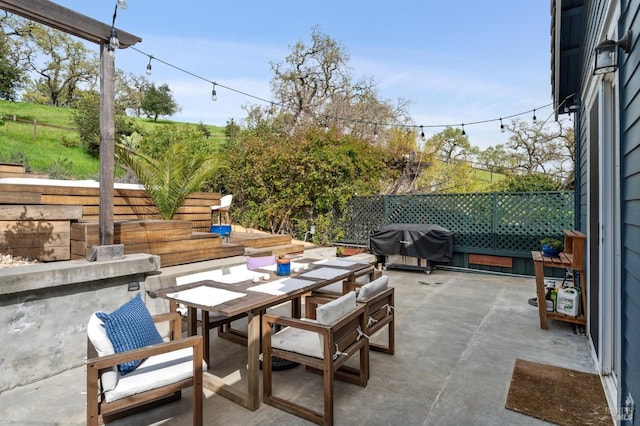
(378, 299)
(323, 346)
(164, 370)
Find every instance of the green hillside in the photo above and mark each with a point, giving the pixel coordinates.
(46, 149)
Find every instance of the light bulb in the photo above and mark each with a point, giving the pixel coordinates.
(122, 4)
(149, 68)
(214, 95)
(113, 39)
(534, 116)
(463, 132)
(421, 132)
(501, 126)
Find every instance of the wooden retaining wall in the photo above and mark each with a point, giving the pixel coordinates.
(128, 204)
(172, 240)
(51, 220)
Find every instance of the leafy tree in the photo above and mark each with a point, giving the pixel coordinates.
(11, 76)
(315, 83)
(497, 159)
(158, 101)
(170, 178)
(130, 90)
(87, 119)
(448, 169)
(64, 65)
(538, 149)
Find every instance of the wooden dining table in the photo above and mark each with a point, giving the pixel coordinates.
(224, 295)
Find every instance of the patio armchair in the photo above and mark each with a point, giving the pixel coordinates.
(122, 382)
(323, 346)
(378, 299)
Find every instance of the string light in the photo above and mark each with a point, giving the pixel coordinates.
(149, 65)
(326, 123)
(501, 126)
(375, 131)
(114, 43)
(214, 95)
(534, 116)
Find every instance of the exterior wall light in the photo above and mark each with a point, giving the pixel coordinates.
(606, 58)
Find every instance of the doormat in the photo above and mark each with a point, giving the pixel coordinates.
(557, 395)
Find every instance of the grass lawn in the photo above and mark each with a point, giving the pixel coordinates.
(45, 149)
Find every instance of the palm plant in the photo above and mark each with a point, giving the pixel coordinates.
(170, 178)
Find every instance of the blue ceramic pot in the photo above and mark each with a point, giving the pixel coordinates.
(550, 251)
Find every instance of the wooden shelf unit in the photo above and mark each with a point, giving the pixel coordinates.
(571, 258)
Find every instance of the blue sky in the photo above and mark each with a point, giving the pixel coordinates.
(456, 62)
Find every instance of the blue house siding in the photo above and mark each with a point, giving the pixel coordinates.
(629, 75)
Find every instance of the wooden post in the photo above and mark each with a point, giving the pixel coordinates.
(107, 131)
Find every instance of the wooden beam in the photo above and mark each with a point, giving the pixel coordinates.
(55, 16)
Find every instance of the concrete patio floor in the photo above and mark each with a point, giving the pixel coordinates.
(457, 338)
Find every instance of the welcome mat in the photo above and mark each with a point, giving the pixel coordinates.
(557, 395)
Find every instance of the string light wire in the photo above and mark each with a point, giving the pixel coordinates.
(415, 126)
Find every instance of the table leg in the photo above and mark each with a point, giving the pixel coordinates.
(296, 307)
(253, 367)
(192, 321)
(205, 336)
(542, 304)
(251, 398)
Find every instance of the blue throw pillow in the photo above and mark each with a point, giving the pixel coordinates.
(130, 327)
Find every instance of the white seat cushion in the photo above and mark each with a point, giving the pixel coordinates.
(377, 286)
(97, 334)
(154, 372)
(303, 342)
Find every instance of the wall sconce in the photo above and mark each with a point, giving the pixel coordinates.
(607, 54)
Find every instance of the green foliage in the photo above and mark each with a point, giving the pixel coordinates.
(54, 143)
(10, 75)
(156, 142)
(69, 141)
(158, 101)
(446, 169)
(87, 121)
(60, 169)
(61, 63)
(15, 157)
(171, 177)
(280, 181)
(531, 182)
(554, 243)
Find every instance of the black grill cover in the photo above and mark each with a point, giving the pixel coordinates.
(424, 241)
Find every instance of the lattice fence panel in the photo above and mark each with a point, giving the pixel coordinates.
(501, 222)
(364, 215)
(522, 219)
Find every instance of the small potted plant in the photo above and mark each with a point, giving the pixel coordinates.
(551, 246)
